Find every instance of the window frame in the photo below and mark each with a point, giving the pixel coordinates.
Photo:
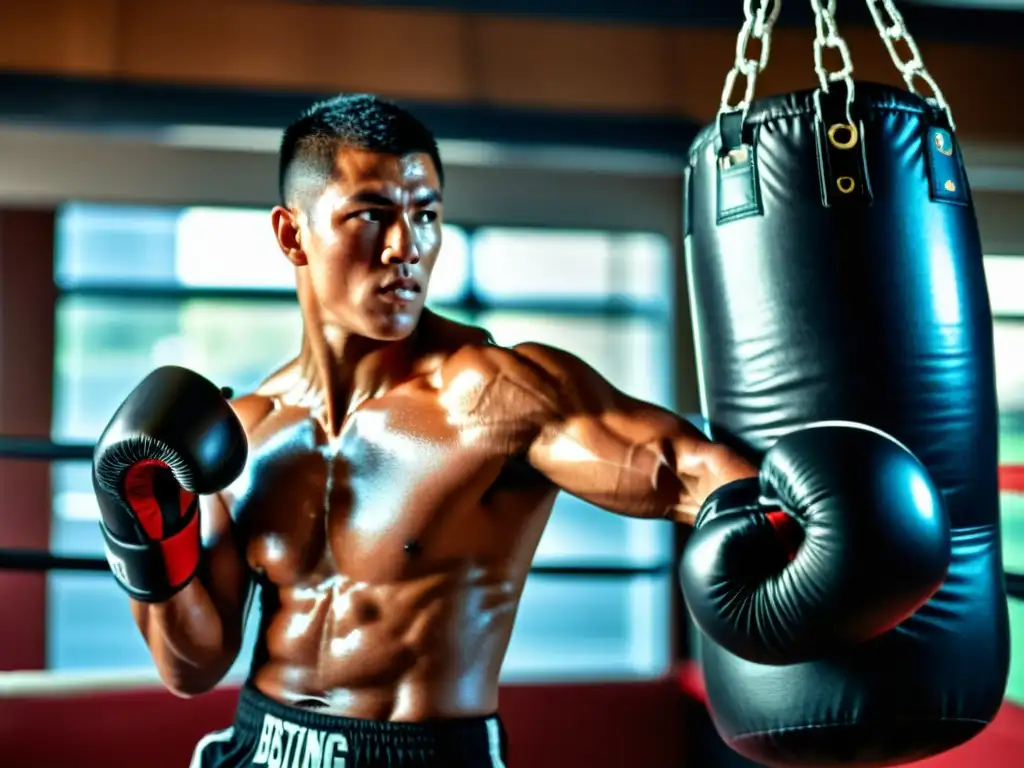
(563, 199)
(610, 190)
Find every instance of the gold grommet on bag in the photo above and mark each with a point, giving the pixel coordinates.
(843, 135)
(941, 145)
(950, 186)
(846, 184)
(734, 157)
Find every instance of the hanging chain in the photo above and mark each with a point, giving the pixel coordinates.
(827, 36)
(891, 27)
(758, 25)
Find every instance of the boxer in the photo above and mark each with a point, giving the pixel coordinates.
(388, 487)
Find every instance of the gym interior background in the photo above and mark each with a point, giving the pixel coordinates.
(137, 164)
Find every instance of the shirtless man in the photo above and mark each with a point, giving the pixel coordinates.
(386, 489)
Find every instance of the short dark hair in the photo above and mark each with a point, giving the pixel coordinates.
(359, 121)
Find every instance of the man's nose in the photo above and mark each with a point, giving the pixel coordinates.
(399, 244)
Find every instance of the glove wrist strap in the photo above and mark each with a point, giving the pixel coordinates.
(736, 496)
(154, 571)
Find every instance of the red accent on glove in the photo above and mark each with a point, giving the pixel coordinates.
(788, 530)
(180, 552)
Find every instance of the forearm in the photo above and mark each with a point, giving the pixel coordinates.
(656, 467)
(193, 640)
(617, 452)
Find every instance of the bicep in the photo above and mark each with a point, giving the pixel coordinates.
(611, 449)
(585, 409)
(627, 454)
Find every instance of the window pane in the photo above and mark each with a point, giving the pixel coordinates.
(1009, 341)
(1015, 683)
(579, 533)
(1009, 349)
(116, 245)
(450, 279)
(219, 247)
(1011, 506)
(1005, 276)
(633, 354)
(225, 247)
(566, 629)
(568, 266)
(90, 626)
(591, 628)
(105, 348)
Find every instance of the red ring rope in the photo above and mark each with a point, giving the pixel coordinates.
(1011, 478)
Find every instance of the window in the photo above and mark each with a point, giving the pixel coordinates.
(208, 289)
(1005, 275)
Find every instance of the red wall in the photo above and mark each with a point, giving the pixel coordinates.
(636, 725)
(27, 298)
(639, 725)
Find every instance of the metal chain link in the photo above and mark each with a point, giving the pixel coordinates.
(827, 36)
(757, 25)
(891, 27)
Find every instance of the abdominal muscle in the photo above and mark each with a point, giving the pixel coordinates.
(422, 648)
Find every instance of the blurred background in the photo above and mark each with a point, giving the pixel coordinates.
(138, 147)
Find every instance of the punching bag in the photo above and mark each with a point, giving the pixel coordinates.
(835, 273)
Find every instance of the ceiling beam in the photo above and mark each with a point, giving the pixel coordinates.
(965, 21)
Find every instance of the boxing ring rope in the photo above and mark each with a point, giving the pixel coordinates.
(37, 560)
(39, 449)
(1011, 479)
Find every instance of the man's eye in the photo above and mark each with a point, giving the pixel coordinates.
(373, 215)
(426, 217)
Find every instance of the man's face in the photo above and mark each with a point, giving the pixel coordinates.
(370, 241)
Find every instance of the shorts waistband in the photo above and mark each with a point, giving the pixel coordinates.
(254, 707)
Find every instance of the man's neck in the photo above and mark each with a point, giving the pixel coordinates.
(340, 370)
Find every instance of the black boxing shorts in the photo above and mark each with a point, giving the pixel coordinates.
(269, 734)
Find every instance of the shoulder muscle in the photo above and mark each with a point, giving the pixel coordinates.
(492, 385)
(579, 386)
(252, 410)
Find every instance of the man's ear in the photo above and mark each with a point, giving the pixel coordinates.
(289, 238)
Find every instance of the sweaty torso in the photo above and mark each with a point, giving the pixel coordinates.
(392, 557)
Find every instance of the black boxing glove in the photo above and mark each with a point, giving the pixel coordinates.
(841, 537)
(175, 437)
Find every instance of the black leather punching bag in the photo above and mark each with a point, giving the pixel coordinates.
(835, 272)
